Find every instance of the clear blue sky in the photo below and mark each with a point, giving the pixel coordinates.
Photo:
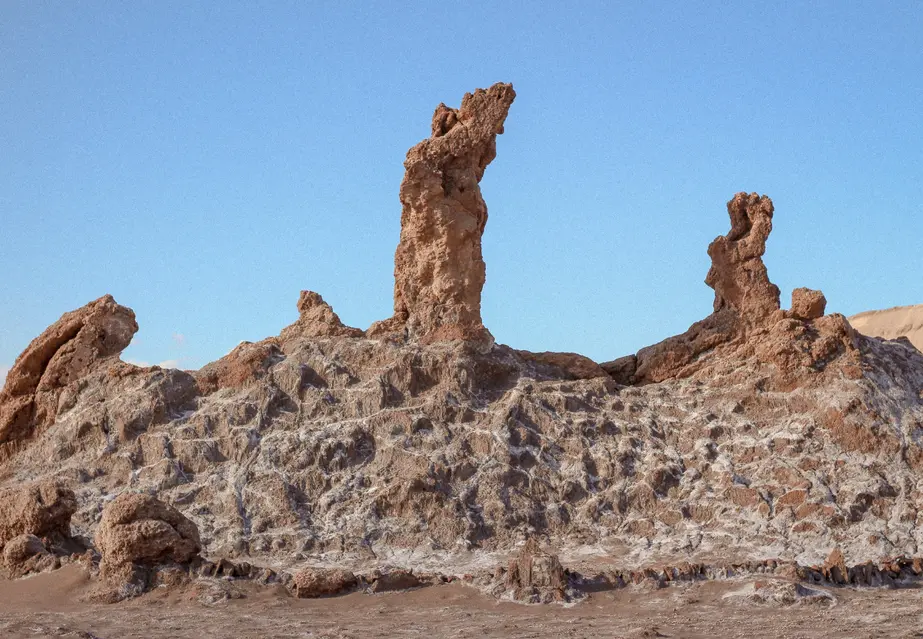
(204, 162)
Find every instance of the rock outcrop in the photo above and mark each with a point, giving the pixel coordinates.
(69, 349)
(422, 444)
(141, 541)
(536, 576)
(317, 319)
(438, 268)
(747, 319)
(35, 527)
(737, 272)
(27, 554)
(322, 582)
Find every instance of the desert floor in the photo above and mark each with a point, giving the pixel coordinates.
(50, 605)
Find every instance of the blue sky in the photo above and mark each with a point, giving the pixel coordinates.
(204, 162)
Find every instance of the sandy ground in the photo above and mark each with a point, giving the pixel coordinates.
(891, 323)
(49, 605)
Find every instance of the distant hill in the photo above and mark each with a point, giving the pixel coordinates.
(891, 323)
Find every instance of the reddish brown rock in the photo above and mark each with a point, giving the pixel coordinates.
(26, 554)
(245, 364)
(438, 268)
(744, 298)
(677, 356)
(317, 319)
(139, 529)
(396, 579)
(71, 348)
(43, 509)
(808, 304)
(835, 568)
(322, 582)
(737, 272)
(573, 366)
(747, 321)
(536, 576)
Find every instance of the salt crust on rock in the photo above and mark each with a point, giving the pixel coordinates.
(424, 445)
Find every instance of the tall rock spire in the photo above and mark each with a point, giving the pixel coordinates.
(438, 268)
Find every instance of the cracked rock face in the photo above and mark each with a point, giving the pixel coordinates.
(438, 268)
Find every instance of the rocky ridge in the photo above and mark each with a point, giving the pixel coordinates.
(421, 447)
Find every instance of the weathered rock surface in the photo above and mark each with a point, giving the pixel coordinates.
(71, 348)
(322, 582)
(760, 432)
(139, 529)
(737, 272)
(808, 304)
(317, 319)
(27, 554)
(438, 268)
(143, 543)
(35, 527)
(42, 509)
(536, 576)
(394, 579)
(747, 319)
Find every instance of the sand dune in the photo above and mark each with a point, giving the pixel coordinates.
(891, 323)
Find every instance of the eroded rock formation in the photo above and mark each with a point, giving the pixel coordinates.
(536, 576)
(747, 319)
(71, 348)
(322, 582)
(35, 526)
(317, 319)
(423, 444)
(737, 272)
(42, 508)
(438, 268)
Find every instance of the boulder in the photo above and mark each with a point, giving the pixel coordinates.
(139, 529)
(322, 582)
(536, 576)
(42, 509)
(808, 304)
(397, 579)
(27, 554)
